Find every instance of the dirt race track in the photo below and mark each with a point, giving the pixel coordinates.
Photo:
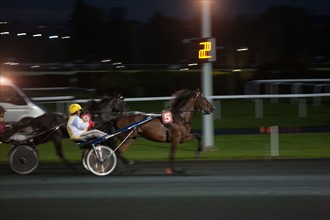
(280, 189)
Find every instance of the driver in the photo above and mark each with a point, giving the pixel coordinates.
(78, 129)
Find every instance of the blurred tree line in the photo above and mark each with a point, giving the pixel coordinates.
(283, 36)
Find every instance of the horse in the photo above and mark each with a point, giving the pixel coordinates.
(51, 126)
(183, 106)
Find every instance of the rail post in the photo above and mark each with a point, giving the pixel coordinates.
(274, 147)
(207, 81)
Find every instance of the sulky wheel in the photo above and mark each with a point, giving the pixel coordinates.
(23, 159)
(101, 160)
(84, 158)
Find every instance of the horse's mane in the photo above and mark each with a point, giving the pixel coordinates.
(181, 98)
(94, 105)
(104, 101)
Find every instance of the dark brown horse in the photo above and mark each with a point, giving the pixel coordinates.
(51, 126)
(47, 127)
(106, 109)
(182, 107)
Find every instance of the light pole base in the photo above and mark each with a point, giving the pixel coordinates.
(210, 148)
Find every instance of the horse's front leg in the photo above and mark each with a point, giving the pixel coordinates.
(170, 169)
(198, 137)
(200, 146)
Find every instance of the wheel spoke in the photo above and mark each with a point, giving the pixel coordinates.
(99, 162)
(23, 159)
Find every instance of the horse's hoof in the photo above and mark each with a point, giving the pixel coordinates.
(130, 162)
(169, 171)
(179, 171)
(197, 153)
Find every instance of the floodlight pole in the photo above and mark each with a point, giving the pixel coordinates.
(207, 80)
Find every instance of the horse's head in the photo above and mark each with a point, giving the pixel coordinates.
(119, 104)
(191, 100)
(202, 104)
(104, 108)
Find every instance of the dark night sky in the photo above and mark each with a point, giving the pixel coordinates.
(60, 10)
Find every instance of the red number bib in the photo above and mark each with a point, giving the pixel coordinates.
(86, 117)
(167, 117)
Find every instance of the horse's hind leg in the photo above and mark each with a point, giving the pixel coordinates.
(122, 161)
(59, 152)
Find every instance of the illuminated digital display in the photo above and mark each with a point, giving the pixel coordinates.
(201, 50)
(204, 53)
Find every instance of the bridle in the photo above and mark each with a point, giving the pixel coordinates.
(197, 102)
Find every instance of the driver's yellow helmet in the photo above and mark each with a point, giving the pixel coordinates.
(74, 108)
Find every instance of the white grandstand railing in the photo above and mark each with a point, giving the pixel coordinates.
(289, 80)
(271, 86)
(164, 98)
(271, 96)
(54, 99)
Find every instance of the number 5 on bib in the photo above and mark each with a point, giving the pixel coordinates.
(167, 117)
